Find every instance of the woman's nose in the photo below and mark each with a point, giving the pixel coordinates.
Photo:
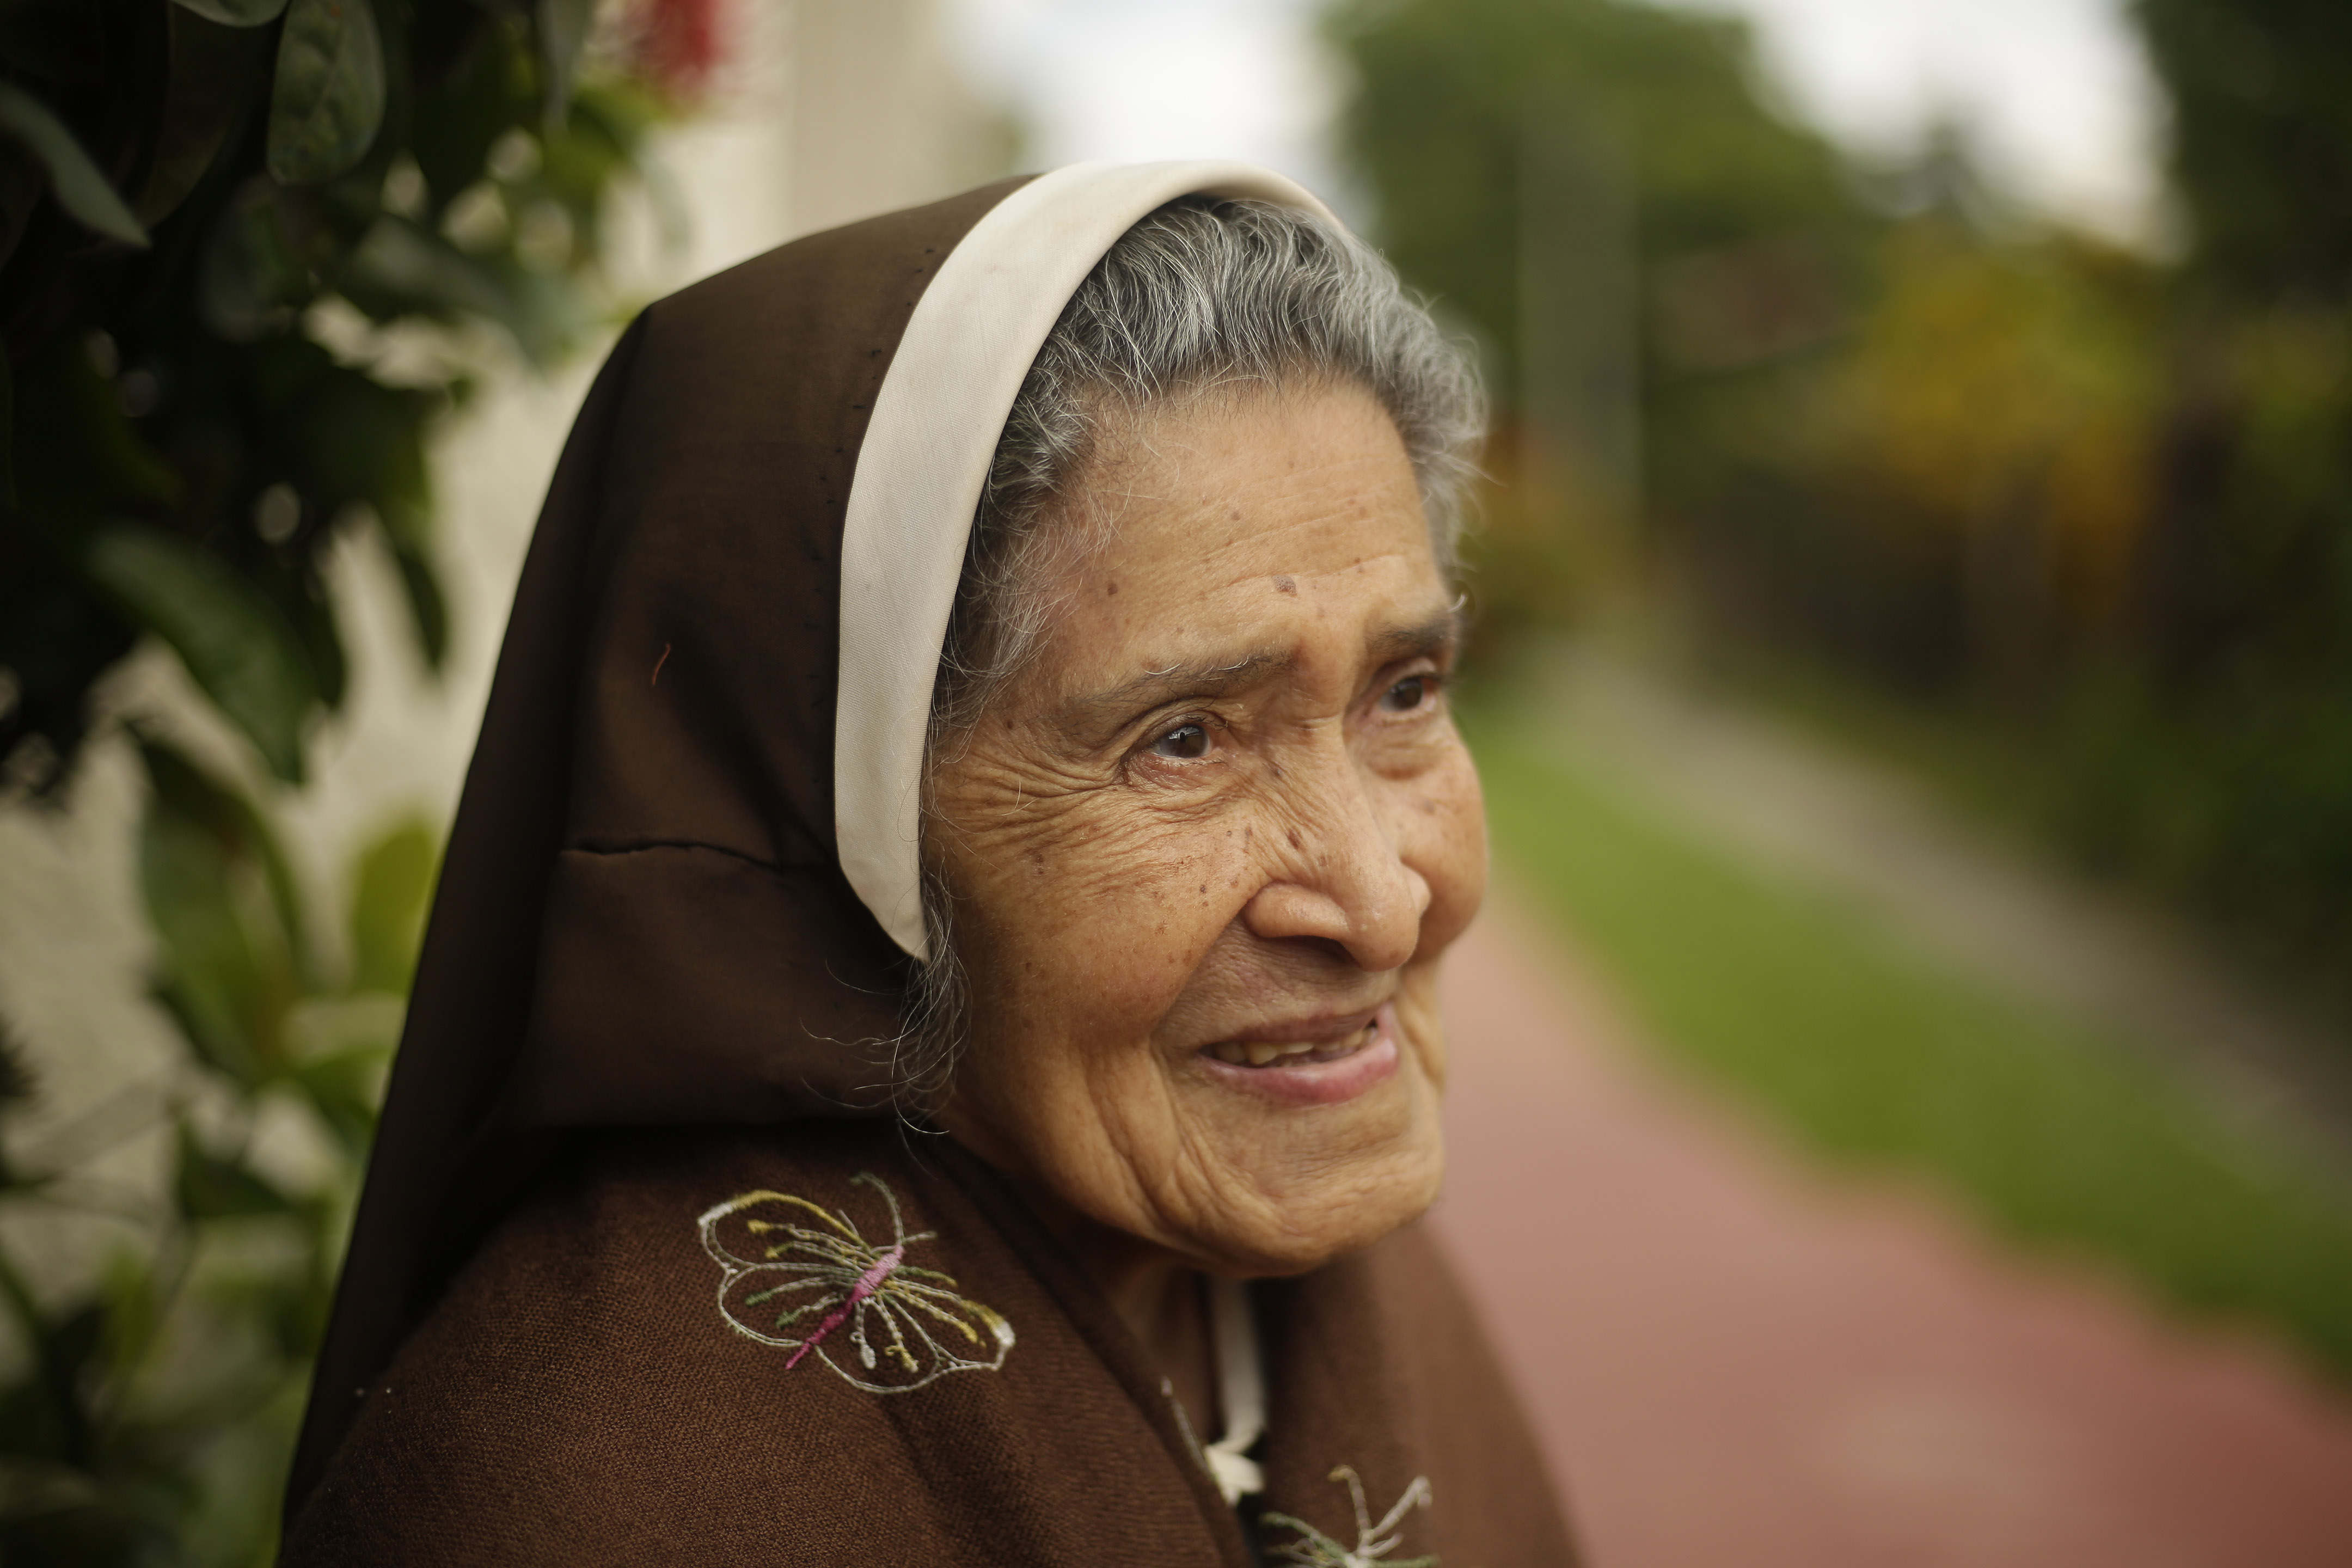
(1345, 884)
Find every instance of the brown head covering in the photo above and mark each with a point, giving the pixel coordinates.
(644, 916)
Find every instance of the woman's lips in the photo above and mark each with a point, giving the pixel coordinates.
(1333, 1060)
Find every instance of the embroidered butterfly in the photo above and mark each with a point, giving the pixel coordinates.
(794, 1275)
(1373, 1542)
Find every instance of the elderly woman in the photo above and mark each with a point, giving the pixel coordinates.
(928, 1049)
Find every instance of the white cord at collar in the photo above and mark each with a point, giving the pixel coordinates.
(1240, 1389)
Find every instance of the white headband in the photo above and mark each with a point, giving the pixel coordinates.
(942, 406)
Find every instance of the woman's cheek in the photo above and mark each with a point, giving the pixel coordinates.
(1445, 840)
(1132, 909)
(1425, 1027)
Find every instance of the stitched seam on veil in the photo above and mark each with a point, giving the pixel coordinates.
(613, 847)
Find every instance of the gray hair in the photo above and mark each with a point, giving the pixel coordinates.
(1203, 296)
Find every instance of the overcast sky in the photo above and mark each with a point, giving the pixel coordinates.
(2055, 91)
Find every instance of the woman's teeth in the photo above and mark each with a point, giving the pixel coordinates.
(1266, 1053)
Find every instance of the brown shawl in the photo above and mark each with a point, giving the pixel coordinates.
(590, 1392)
(643, 922)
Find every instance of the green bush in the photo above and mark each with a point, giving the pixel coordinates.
(227, 228)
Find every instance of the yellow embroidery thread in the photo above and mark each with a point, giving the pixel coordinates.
(790, 1284)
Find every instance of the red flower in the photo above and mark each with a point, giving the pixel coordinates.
(678, 45)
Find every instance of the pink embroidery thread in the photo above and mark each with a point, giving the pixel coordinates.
(858, 1292)
(784, 1261)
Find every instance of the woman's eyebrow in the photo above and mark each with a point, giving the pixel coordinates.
(1089, 715)
(1424, 639)
(1092, 715)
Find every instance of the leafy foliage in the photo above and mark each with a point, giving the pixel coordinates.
(219, 220)
(1646, 250)
(153, 1415)
(188, 189)
(2261, 137)
(1462, 104)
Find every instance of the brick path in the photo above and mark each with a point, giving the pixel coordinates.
(1738, 1361)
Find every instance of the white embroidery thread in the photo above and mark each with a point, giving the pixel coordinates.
(1313, 1549)
(908, 1325)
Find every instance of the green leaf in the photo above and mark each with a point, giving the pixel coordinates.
(310, 607)
(215, 74)
(237, 13)
(16, 1081)
(76, 456)
(562, 28)
(398, 262)
(209, 1187)
(235, 643)
(426, 606)
(328, 103)
(345, 1088)
(391, 891)
(16, 1088)
(488, 91)
(186, 792)
(546, 314)
(352, 439)
(46, 1417)
(254, 276)
(225, 961)
(80, 189)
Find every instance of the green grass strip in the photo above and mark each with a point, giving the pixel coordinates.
(1807, 1006)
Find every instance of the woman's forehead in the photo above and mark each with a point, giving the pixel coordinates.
(1247, 546)
(1300, 485)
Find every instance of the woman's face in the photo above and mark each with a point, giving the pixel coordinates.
(1208, 848)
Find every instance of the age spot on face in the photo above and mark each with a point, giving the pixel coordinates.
(1285, 586)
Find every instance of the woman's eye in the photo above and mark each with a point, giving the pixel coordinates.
(1406, 694)
(1185, 742)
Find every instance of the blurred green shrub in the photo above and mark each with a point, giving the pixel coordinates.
(249, 251)
(153, 1416)
(196, 196)
(1816, 1009)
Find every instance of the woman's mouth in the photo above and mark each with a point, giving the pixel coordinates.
(1285, 1053)
(1330, 1060)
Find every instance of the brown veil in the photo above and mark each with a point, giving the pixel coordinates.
(644, 916)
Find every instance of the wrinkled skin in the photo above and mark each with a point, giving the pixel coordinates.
(1289, 828)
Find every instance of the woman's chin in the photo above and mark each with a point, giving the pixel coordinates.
(1351, 1172)
(1330, 1214)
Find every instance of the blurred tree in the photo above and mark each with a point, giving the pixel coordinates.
(2088, 505)
(1645, 244)
(1457, 103)
(2224, 768)
(2262, 138)
(1979, 461)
